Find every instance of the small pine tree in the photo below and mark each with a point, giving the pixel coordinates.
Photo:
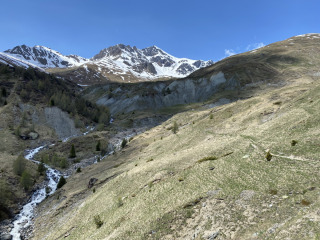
(41, 168)
(62, 181)
(52, 102)
(72, 152)
(175, 127)
(124, 143)
(98, 146)
(19, 165)
(26, 180)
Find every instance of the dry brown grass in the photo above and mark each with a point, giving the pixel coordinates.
(239, 133)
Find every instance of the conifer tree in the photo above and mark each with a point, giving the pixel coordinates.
(62, 181)
(72, 152)
(98, 146)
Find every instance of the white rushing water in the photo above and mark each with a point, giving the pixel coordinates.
(24, 218)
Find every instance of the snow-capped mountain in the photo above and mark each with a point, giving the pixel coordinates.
(151, 62)
(116, 63)
(45, 57)
(13, 61)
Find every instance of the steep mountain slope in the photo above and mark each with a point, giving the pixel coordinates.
(149, 62)
(13, 61)
(211, 179)
(277, 64)
(35, 108)
(118, 63)
(44, 57)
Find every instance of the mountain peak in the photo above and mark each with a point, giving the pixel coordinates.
(147, 63)
(44, 57)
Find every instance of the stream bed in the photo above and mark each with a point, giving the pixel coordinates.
(24, 219)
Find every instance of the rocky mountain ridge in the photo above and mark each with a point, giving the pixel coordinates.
(120, 61)
(44, 57)
(251, 70)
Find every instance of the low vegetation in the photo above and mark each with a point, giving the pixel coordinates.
(210, 158)
(156, 199)
(98, 221)
(247, 196)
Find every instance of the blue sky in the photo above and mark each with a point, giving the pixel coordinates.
(202, 29)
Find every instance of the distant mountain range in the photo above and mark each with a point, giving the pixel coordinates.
(117, 63)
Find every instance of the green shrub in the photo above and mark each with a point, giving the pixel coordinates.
(26, 180)
(19, 165)
(78, 123)
(62, 181)
(79, 170)
(41, 168)
(100, 127)
(211, 116)
(175, 127)
(273, 191)
(268, 156)
(305, 202)
(63, 163)
(98, 221)
(294, 142)
(150, 160)
(17, 131)
(5, 194)
(210, 158)
(119, 202)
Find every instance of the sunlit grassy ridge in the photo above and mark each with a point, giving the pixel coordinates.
(166, 192)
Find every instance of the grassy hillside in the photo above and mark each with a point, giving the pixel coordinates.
(278, 62)
(211, 178)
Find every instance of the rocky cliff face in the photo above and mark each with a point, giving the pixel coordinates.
(162, 94)
(61, 122)
(52, 118)
(264, 66)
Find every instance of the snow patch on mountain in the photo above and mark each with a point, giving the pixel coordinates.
(45, 57)
(13, 61)
(148, 63)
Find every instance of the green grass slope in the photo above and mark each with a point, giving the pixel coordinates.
(210, 179)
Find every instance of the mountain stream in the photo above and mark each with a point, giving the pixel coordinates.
(24, 218)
